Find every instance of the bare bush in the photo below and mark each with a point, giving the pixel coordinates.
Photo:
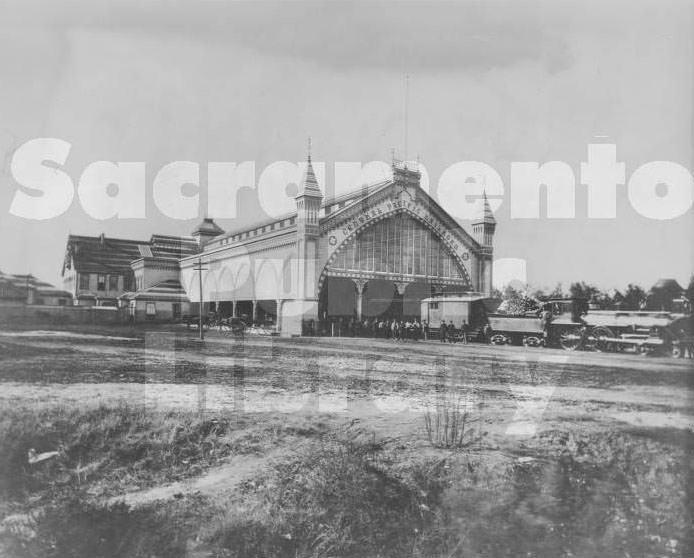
(451, 423)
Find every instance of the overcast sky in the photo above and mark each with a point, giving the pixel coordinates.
(228, 81)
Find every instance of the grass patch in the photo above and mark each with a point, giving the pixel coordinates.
(342, 498)
(115, 449)
(76, 528)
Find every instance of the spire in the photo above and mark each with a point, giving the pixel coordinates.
(487, 217)
(488, 213)
(309, 184)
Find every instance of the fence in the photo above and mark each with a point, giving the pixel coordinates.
(42, 314)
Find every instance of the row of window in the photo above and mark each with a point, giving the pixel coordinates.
(102, 281)
(398, 245)
(151, 310)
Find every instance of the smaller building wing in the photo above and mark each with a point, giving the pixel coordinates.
(169, 290)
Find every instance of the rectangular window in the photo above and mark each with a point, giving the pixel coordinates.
(101, 282)
(128, 283)
(176, 310)
(84, 281)
(150, 310)
(113, 282)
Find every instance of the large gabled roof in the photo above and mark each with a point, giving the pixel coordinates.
(101, 254)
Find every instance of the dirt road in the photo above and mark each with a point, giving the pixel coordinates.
(519, 390)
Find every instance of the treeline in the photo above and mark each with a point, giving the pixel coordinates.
(633, 297)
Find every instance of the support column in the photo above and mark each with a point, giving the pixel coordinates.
(360, 285)
(254, 315)
(489, 277)
(278, 314)
(233, 309)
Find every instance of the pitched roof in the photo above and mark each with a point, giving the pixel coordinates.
(99, 254)
(9, 291)
(169, 290)
(309, 184)
(20, 282)
(488, 214)
(209, 227)
(669, 285)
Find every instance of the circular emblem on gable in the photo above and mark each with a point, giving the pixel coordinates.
(332, 240)
(466, 256)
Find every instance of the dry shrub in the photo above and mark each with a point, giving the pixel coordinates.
(452, 423)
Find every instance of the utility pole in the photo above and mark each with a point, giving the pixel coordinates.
(200, 269)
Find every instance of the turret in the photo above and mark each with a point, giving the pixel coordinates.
(483, 232)
(303, 308)
(483, 228)
(308, 203)
(206, 231)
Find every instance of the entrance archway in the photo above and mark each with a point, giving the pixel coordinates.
(386, 270)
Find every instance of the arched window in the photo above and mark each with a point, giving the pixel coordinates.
(399, 245)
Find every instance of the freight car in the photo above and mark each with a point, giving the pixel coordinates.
(558, 323)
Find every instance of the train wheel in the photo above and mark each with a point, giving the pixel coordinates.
(570, 339)
(532, 341)
(498, 339)
(598, 344)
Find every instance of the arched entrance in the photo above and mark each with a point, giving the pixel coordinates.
(385, 270)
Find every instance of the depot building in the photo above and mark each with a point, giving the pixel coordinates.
(375, 252)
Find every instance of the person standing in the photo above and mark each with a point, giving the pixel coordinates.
(463, 332)
(443, 331)
(450, 331)
(546, 319)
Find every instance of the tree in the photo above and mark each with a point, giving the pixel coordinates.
(558, 291)
(538, 293)
(583, 290)
(516, 302)
(634, 297)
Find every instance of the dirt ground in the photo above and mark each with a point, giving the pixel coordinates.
(387, 384)
(523, 399)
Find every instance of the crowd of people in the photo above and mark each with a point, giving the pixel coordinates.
(400, 329)
(449, 333)
(395, 329)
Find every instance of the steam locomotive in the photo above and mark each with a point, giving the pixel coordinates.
(568, 323)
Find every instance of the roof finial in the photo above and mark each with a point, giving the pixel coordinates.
(308, 158)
